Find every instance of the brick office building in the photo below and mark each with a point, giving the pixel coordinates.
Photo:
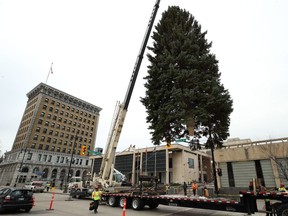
(54, 124)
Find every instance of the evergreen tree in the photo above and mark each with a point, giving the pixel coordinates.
(184, 96)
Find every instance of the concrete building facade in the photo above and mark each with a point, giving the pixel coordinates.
(176, 164)
(241, 161)
(53, 128)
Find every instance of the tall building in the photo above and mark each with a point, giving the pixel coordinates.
(53, 129)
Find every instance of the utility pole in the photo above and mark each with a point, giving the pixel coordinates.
(71, 159)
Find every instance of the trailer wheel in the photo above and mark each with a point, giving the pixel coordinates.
(153, 205)
(121, 202)
(112, 201)
(137, 204)
(283, 210)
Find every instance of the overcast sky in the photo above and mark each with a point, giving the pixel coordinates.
(94, 44)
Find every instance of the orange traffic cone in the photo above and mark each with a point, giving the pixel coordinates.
(124, 208)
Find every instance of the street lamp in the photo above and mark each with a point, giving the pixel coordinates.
(72, 154)
(20, 168)
(211, 145)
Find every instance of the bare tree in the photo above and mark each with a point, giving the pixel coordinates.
(277, 152)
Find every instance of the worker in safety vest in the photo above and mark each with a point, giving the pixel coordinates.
(96, 196)
(194, 187)
(282, 188)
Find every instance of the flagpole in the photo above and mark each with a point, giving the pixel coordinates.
(50, 71)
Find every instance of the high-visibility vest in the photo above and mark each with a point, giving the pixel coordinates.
(194, 186)
(96, 195)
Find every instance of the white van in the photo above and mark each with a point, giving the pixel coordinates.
(35, 186)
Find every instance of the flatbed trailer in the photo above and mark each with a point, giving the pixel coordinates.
(276, 203)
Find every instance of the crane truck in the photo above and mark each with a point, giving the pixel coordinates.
(109, 177)
(105, 177)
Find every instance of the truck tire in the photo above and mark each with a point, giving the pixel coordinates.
(153, 205)
(283, 210)
(121, 202)
(137, 204)
(112, 201)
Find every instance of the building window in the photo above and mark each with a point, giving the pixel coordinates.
(49, 158)
(38, 129)
(51, 109)
(43, 138)
(40, 146)
(60, 119)
(48, 139)
(53, 148)
(63, 106)
(33, 145)
(58, 126)
(80, 163)
(230, 174)
(191, 163)
(47, 123)
(35, 137)
(49, 116)
(58, 104)
(46, 99)
(58, 158)
(44, 130)
(62, 160)
(44, 158)
(44, 107)
(56, 110)
(54, 117)
(29, 156)
(52, 102)
(40, 121)
(52, 125)
(87, 162)
(42, 114)
(50, 132)
(46, 147)
(56, 133)
(39, 157)
(54, 141)
(63, 127)
(62, 112)
(63, 150)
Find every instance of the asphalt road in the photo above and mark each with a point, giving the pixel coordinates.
(61, 206)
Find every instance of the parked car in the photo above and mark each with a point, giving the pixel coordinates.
(35, 186)
(16, 198)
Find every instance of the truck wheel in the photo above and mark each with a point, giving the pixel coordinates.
(112, 201)
(121, 202)
(153, 205)
(283, 210)
(137, 204)
(27, 209)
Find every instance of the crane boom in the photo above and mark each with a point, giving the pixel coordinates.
(107, 165)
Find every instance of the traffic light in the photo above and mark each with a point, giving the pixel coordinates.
(219, 171)
(168, 145)
(83, 150)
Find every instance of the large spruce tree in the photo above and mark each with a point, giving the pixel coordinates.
(184, 96)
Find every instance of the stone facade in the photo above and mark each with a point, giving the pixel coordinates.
(53, 128)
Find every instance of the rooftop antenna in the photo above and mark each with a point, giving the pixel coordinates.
(50, 71)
